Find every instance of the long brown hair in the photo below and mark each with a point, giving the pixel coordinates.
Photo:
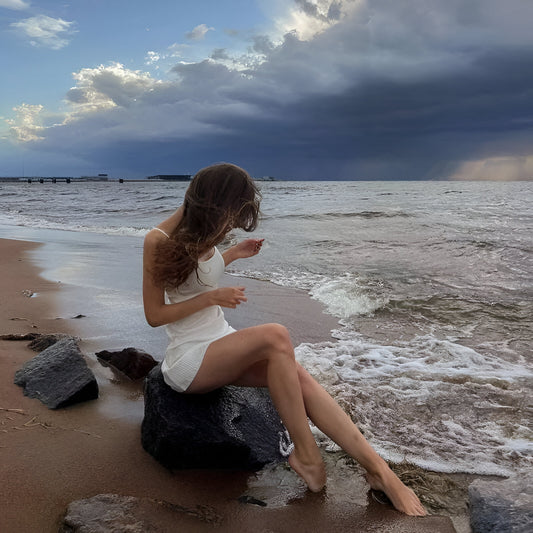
(219, 198)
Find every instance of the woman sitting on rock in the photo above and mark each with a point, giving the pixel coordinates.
(182, 266)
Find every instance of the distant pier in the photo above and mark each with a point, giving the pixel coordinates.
(105, 178)
(53, 180)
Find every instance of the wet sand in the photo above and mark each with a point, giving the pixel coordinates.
(51, 458)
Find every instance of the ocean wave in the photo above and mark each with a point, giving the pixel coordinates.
(164, 197)
(450, 308)
(15, 219)
(344, 296)
(347, 296)
(341, 215)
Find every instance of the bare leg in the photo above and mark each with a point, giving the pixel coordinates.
(329, 417)
(232, 356)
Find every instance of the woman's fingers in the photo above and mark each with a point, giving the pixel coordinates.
(231, 296)
(239, 295)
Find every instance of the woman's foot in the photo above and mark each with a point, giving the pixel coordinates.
(402, 498)
(313, 474)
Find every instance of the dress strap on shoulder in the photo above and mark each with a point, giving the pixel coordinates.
(163, 232)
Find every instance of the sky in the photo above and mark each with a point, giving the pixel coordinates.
(295, 89)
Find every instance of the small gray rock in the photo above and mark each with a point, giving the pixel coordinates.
(58, 376)
(502, 506)
(231, 427)
(105, 513)
(113, 513)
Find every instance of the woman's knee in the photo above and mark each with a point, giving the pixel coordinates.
(278, 339)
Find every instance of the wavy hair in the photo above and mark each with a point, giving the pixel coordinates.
(219, 198)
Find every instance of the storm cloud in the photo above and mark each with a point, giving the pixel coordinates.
(380, 89)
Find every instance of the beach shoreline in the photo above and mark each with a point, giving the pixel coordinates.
(51, 458)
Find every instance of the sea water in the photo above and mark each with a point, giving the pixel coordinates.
(431, 283)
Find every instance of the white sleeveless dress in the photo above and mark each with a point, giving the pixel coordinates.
(190, 337)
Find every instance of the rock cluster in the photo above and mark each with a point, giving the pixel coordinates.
(58, 376)
(231, 427)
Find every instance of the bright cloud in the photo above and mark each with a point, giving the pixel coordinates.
(198, 33)
(152, 57)
(105, 87)
(45, 31)
(14, 4)
(169, 54)
(27, 124)
(308, 18)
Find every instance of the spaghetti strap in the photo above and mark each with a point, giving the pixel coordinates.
(163, 232)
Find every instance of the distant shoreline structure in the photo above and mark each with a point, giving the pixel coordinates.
(106, 178)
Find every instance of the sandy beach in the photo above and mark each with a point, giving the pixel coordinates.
(51, 458)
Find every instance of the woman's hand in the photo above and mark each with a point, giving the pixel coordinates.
(228, 296)
(246, 248)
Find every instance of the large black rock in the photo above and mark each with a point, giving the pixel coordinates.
(58, 376)
(502, 506)
(232, 427)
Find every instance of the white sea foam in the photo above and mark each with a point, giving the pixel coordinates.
(12, 219)
(347, 296)
(429, 401)
(286, 278)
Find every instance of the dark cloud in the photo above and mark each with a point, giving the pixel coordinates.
(308, 8)
(393, 90)
(262, 44)
(324, 11)
(334, 11)
(219, 53)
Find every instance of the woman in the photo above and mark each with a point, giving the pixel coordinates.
(181, 268)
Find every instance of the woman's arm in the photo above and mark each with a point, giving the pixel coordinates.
(159, 313)
(246, 248)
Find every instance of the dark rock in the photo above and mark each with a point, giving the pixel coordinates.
(133, 363)
(19, 336)
(43, 341)
(231, 427)
(112, 513)
(58, 376)
(502, 506)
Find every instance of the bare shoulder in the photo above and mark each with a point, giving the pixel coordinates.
(162, 231)
(152, 239)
